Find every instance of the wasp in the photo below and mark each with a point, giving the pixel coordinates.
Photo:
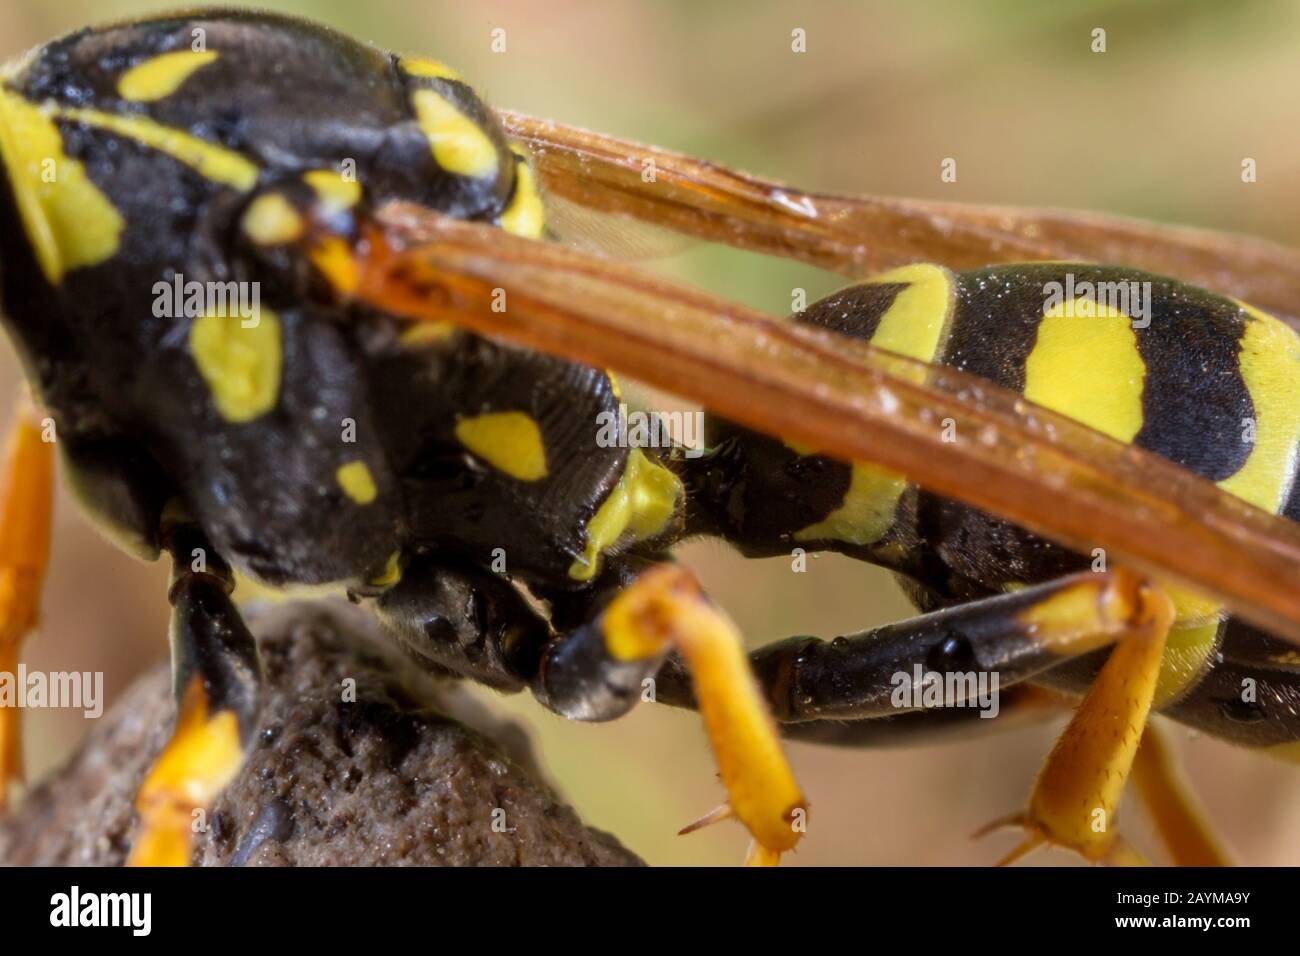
(414, 392)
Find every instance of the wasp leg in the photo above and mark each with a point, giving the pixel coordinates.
(1177, 816)
(882, 673)
(216, 678)
(26, 506)
(665, 608)
(595, 671)
(1075, 798)
(937, 660)
(596, 660)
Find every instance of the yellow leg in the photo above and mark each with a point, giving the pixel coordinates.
(202, 756)
(665, 608)
(26, 507)
(217, 675)
(1077, 793)
(1176, 814)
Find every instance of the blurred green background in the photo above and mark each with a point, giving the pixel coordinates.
(1155, 127)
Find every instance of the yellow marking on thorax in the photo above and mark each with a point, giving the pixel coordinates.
(66, 218)
(638, 508)
(391, 574)
(214, 162)
(241, 364)
(162, 75)
(334, 191)
(271, 220)
(459, 144)
(357, 482)
(429, 69)
(525, 215)
(510, 442)
(915, 325)
(1086, 366)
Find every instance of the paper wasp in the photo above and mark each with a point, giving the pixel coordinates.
(419, 388)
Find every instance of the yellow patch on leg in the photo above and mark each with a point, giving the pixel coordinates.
(665, 608)
(26, 510)
(201, 758)
(1077, 793)
(1179, 819)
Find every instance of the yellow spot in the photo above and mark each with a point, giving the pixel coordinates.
(915, 325)
(510, 442)
(66, 218)
(271, 220)
(638, 507)
(333, 190)
(161, 76)
(333, 258)
(525, 215)
(459, 144)
(421, 334)
(1086, 366)
(357, 482)
(241, 364)
(429, 69)
(1270, 366)
(209, 160)
(391, 574)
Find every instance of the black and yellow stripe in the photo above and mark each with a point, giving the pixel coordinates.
(1207, 382)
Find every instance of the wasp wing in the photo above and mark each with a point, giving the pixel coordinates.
(950, 432)
(856, 236)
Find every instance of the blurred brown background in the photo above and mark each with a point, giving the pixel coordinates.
(1155, 127)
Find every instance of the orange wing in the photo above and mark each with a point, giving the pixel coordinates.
(1033, 467)
(856, 236)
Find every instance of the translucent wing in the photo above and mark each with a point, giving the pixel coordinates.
(1035, 468)
(856, 236)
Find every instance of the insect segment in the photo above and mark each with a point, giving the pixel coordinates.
(314, 439)
(214, 401)
(1207, 382)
